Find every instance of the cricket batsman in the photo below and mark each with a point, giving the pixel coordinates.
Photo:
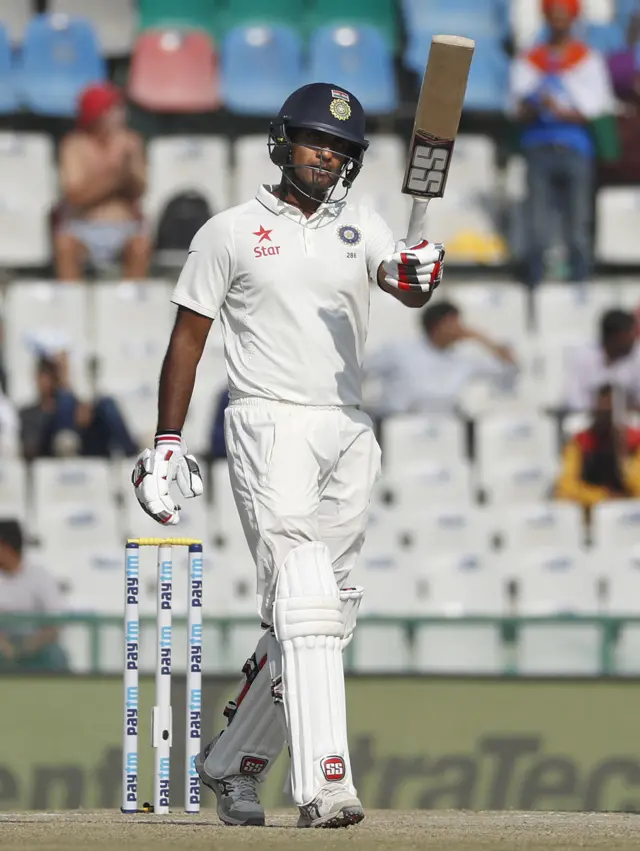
(288, 275)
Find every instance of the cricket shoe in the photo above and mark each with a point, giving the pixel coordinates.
(333, 806)
(237, 794)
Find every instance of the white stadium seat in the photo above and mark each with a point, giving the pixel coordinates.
(79, 525)
(497, 309)
(64, 480)
(513, 438)
(253, 167)
(27, 195)
(435, 530)
(517, 482)
(13, 488)
(622, 571)
(188, 164)
(389, 321)
(414, 438)
(45, 318)
(556, 581)
(386, 155)
(618, 220)
(615, 525)
(114, 22)
(526, 528)
(139, 315)
(466, 583)
(435, 482)
(554, 302)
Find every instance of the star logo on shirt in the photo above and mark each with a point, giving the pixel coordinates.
(263, 234)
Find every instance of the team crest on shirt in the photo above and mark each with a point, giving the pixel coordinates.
(349, 234)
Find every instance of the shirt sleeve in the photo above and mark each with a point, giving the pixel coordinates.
(378, 241)
(208, 272)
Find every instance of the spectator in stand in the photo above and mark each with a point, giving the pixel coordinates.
(557, 89)
(430, 374)
(26, 589)
(103, 177)
(615, 359)
(602, 462)
(60, 424)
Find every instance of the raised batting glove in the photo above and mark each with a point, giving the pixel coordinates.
(154, 472)
(417, 269)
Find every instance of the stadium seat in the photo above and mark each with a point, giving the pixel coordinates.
(44, 318)
(607, 38)
(438, 530)
(622, 572)
(71, 480)
(114, 22)
(471, 18)
(498, 309)
(616, 524)
(9, 101)
(140, 316)
(360, 59)
(414, 438)
(186, 14)
(253, 167)
(80, 525)
(628, 294)
(13, 488)
(456, 585)
(386, 155)
(249, 13)
(508, 438)
(556, 581)
(617, 223)
(173, 71)
(187, 164)
(16, 15)
(27, 193)
(518, 482)
(389, 321)
(526, 528)
(381, 15)
(90, 578)
(553, 363)
(429, 483)
(260, 66)
(60, 56)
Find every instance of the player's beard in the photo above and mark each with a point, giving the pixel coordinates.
(314, 181)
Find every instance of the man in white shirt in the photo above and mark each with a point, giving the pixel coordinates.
(431, 373)
(289, 273)
(614, 360)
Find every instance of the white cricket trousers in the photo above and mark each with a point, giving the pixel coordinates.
(300, 474)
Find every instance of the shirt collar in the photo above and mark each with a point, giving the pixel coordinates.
(279, 207)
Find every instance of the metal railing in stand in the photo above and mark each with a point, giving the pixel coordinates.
(509, 628)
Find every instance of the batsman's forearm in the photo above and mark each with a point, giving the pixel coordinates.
(177, 379)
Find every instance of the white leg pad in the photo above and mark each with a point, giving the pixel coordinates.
(256, 732)
(309, 624)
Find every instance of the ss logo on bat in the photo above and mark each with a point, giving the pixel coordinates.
(428, 170)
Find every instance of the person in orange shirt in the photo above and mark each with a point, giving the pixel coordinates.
(602, 462)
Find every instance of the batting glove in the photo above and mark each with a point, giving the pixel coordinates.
(417, 269)
(154, 473)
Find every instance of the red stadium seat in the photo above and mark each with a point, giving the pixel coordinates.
(173, 71)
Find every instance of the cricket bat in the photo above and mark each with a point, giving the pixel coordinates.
(436, 125)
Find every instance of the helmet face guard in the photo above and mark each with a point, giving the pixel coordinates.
(281, 150)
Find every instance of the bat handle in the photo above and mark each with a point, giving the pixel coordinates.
(417, 221)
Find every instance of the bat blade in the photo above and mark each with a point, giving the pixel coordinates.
(436, 124)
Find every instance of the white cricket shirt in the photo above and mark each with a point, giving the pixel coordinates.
(292, 294)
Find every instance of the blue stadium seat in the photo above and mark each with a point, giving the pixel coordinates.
(607, 38)
(60, 56)
(260, 66)
(471, 18)
(359, 59)
(489, 79)
(8, 94)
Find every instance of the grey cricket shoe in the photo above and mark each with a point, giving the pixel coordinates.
(333, 806)
(237, 795)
